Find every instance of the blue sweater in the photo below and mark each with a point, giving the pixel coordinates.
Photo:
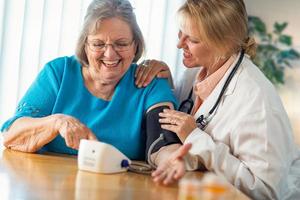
(59, 88)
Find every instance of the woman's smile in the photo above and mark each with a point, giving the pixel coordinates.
(111, 63)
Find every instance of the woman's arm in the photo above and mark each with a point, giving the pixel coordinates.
(153, 129)
(164, 150)
(30, 134)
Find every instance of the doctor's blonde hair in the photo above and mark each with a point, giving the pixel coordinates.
(221, 24)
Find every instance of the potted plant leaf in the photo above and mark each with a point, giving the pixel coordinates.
(274, 49)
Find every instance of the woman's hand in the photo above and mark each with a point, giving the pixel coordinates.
(72, 130)
(178, 122)
(148, 69)
(172, 168)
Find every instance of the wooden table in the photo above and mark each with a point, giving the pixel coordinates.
(36, 176)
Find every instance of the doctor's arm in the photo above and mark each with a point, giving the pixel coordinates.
(149, 69)
(254, 160)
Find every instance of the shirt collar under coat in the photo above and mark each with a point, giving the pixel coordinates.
(212, 97)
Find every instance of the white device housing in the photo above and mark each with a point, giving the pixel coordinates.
(100, 157)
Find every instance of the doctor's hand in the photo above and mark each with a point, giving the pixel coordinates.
(178, 122)
(72, 130)
(148, 69)
(173, 168)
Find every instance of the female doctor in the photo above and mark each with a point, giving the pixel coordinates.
(232, 115)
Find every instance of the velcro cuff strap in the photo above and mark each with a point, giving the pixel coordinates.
(153, 131)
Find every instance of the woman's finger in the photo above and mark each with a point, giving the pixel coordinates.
(91, 136)
(169, 177)
(179, 173)
(157, 172)
(69, 139)
(159, 178)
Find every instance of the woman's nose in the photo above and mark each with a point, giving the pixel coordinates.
(110, 51)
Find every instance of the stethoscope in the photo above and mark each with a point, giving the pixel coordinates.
(186, 106)
(203, 120)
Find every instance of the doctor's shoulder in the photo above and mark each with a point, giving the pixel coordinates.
(253, 87)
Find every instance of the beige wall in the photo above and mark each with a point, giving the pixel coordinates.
(284, 11)
(280, 11)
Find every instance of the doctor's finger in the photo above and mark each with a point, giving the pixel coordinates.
(137, 71)
(164, 74)
(170, 120)
(172, 112)
(153, 72)
(169, 127)
(175, 113)
(169, 113)
(140, 76)
(147, 77)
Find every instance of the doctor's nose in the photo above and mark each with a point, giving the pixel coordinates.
(181, 42)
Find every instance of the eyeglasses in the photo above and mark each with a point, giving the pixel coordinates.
(98, 46)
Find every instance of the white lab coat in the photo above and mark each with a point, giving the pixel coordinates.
(249, 139)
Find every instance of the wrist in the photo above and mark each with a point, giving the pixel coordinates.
(53, 123)
(164, 153)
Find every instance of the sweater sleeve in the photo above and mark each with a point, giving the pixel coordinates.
(40, 98)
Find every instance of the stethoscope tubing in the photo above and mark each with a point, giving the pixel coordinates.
(203, 120)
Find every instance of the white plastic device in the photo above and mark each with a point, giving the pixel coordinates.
(101, 157)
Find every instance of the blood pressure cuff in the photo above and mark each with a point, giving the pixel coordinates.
(153, 131)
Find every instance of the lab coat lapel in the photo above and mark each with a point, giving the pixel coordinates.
(208, 104)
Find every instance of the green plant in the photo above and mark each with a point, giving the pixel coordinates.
(274, 51)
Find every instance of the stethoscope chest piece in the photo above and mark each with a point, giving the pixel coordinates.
(201, 122)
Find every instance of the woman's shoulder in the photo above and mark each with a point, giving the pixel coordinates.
(63, 61)
(62, 64)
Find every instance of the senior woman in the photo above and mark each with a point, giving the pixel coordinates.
(236, 122)
(92, 95)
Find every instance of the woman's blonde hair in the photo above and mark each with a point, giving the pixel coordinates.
(99, 10)
(221, 24)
